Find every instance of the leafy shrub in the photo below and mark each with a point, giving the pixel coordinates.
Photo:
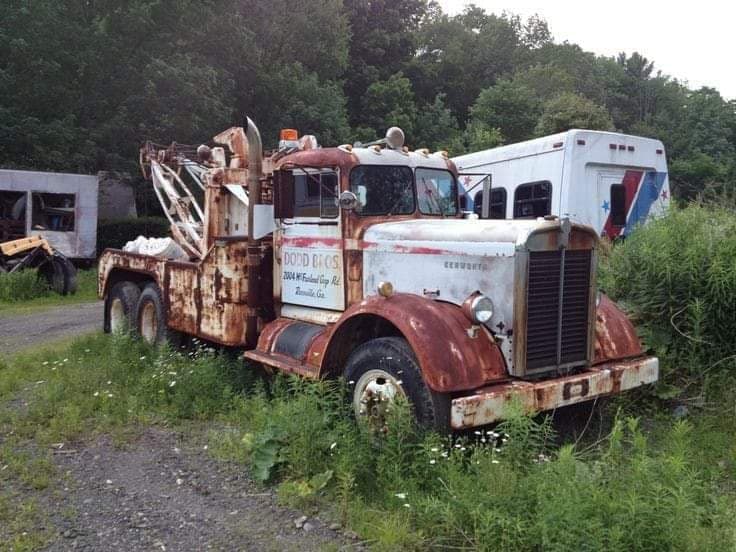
(677, 277)
(116, 233)
(21, 286)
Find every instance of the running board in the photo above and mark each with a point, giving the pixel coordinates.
(287, 345)
(283, 363)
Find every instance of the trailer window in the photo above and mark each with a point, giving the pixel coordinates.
(383, 190)
(54, 212)
(618, 205)
(12, 215)
(315, 195)
(436, 192)
(497, 208)
(533, 200)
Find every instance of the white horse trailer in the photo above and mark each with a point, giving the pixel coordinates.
(612, 182)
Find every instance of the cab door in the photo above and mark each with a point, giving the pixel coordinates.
(312, 246)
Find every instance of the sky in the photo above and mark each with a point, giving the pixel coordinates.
(693, 42)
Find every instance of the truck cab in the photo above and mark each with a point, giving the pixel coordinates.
(359, 263)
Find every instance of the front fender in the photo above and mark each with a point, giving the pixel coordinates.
(450, 356)
(615, 335)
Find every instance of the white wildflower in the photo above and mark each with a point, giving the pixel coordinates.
(434, 449)
(494, 461)
(402, 496)
(96, 394)
(333, 445)
(433, 461)
(406, 505)
(143, 357)
(172, 383)
(45, 362)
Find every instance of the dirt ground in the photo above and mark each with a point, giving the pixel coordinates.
(22, 331)
(164, 492)
(161, 490)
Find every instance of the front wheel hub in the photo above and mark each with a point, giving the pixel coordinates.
(375, 392)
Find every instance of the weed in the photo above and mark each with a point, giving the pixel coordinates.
(506, 488)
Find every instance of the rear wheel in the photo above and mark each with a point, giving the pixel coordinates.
(384, 369)
(120, 307)
(151, 320)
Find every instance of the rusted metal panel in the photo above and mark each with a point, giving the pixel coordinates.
(615, 337)
(183, 296)
(492, 404)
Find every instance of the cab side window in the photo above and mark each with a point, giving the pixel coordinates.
(315, 195)
(533, 200)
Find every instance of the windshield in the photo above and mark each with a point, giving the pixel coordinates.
(383, 190)
(436, 192)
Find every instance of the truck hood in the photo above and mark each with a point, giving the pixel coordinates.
(468, 236)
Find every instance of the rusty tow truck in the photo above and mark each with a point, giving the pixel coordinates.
(357, 262)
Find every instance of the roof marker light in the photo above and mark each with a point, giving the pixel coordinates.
(612, 146)
(621, 147)
(557, 145)
(581, 142)
(630, 148)
(660, 152)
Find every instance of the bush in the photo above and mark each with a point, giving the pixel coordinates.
(22, 286)
(677, 277)
(116, 233)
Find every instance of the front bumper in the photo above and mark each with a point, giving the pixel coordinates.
(493, 403)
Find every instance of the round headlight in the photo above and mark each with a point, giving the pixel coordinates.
(481, 307)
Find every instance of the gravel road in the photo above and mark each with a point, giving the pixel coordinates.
(22, 331)
(165, 492)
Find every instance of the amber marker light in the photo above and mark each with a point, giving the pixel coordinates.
(385, 289)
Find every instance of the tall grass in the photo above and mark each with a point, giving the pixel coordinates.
(677, 277)
(506, 488)
(25, 288)
(21, 286)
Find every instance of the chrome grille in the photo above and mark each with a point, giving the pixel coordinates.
(557, 309)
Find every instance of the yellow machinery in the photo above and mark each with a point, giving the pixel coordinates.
(35, 252)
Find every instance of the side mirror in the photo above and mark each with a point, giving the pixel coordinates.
(348, 200)
(283, 194)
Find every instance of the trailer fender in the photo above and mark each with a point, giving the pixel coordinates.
(453, 354)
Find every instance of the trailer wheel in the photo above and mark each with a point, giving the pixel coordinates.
(52, 270)
(70, 275)
(151, 320)
(120, 307)
(383, 369)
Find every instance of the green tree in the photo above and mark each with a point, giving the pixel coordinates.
(435, 127)
(510, 107)
(383, 40)
(390, 103)
(572, 111)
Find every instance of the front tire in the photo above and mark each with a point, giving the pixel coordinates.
(383, 369)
